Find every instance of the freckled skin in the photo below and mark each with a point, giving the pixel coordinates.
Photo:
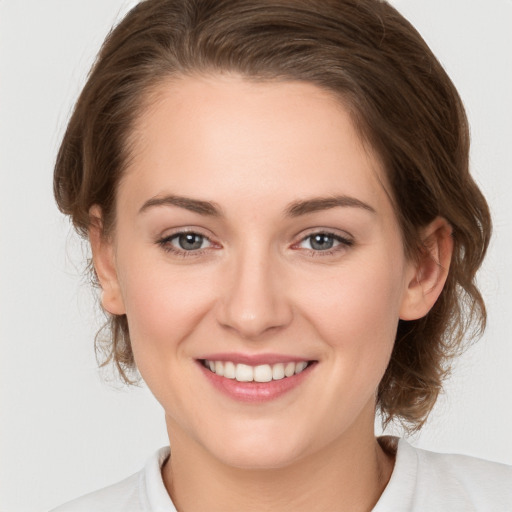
(257, 284)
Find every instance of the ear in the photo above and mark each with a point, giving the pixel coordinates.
(103, 257)
(429, 272)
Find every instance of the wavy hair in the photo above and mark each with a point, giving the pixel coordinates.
(400, 98)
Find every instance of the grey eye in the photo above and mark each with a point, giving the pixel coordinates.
(325, 241)
(321, 241)
(190, 241)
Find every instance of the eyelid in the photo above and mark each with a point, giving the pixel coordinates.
(335, 233)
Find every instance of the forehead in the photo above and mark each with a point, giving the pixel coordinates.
(226, 138)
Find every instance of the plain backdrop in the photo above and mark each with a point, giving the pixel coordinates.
(63, 431)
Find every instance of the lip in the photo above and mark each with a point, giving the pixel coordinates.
(255, 392)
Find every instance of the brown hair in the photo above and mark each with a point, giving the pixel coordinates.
(401, 100)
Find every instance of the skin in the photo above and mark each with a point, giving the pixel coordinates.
(257, 285)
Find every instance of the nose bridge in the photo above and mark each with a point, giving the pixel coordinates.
(255, 301)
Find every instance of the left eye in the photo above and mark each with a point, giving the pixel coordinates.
(322, 241)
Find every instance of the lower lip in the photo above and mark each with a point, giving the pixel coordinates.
(255, 392)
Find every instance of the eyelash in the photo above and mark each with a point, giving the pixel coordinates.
(166, 245)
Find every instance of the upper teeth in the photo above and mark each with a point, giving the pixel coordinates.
(260, 373)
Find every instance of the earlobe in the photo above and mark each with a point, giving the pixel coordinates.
(104, 264)
(429, 272)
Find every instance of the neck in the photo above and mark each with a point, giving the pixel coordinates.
(351, 473)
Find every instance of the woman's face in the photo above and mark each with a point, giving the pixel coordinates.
(254, 235)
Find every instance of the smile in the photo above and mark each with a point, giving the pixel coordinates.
(260, 373)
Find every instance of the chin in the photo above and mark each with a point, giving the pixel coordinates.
(256, 458)
(258, 449)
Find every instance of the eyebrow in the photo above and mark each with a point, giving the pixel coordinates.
(298, 208)
(294, 209)
(206, 208)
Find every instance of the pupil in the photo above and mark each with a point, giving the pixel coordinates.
(190, 241)
(322, 242)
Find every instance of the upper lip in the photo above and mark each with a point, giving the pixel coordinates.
(254, 359)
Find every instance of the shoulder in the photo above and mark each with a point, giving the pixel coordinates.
(123, 495)
(469, 472)
(424, 480)
(142, 492)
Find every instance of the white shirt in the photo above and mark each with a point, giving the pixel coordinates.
(422, 481)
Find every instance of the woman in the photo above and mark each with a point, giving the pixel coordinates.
(286, 237)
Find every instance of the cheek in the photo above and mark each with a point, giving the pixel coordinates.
(356, 310)
(163, 304)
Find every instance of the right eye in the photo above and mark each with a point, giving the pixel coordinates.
(185, 242)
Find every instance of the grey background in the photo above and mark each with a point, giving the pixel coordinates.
(62, 431)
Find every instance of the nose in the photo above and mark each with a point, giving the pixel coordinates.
(253, 301)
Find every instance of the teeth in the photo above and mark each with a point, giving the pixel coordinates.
(263, 373)
(260, 373)
(289, 369)
(244, 373)
(229, 370)
(219, 368)
(278, 371)
(299, 368)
